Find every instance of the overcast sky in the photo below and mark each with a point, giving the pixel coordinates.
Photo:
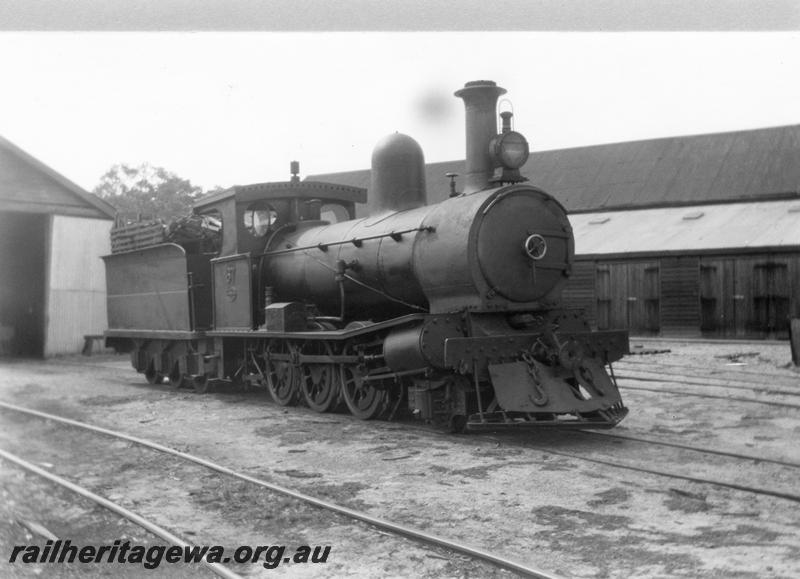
(222, 108)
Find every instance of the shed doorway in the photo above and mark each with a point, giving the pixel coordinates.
(746, 297)
(628, 297)
(23, 260)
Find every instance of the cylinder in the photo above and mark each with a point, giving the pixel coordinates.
(480, 100)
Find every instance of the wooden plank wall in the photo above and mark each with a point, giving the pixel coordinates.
(771, 296)
(749, 296)
(680, 295)
(605, 295)
(713, 312)
(735, 296)
(628, 296)
(643, 297)
(580, 290)
(794, 281)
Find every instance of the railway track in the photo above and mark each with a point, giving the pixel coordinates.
(761, 493)
(624, 384)
(746, 377)
(673, 380)
(550, 442)
(789, 466)
(709, 380)
(383, 525)
(648, 377)
(784, 494)
(633, 375)
(681, 475)
(782, 470)
(148, 525)
(444, 544)
(635, 378)
(743, 456)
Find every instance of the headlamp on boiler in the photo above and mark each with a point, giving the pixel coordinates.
(509, 151)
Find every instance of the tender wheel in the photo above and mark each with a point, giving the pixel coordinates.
(457, 423)
(320, 386)
(152, 376)
(176, 379)
(364, 399)
(283, 381)
(200, 383)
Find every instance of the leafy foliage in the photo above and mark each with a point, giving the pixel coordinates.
(147, 191)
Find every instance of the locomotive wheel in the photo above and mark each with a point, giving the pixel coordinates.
(320, 386)
(364, 400)
(151, 375)
(283, 382)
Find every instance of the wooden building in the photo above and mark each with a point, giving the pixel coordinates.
(680, 236)
(724, 270)
(52, 281)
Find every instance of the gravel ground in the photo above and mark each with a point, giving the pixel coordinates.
(527, 496)
(774, 358)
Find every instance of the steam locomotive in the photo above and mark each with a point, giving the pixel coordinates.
(450, 311)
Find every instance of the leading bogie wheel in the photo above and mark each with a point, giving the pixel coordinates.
(364, 398)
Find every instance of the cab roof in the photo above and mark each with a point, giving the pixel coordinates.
(286, 189)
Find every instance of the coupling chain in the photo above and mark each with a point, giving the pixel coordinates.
(540, 399)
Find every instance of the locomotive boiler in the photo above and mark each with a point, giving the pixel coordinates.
(451, 310)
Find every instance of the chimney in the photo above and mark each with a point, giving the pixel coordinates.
(480, 99)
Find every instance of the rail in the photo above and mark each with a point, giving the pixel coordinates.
(395, 528)
(120, 510)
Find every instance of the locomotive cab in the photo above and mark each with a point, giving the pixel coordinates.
(250, 213)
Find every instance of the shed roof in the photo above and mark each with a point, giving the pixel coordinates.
(700, 228)
(27, 184)
(685, 170)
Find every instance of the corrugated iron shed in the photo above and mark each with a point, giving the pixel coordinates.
(741, 165)
(52, 233)
(681, 230)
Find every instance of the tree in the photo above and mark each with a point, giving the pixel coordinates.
(147, 191)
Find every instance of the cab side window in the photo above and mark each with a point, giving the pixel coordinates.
(259, 219)
(333, 213)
